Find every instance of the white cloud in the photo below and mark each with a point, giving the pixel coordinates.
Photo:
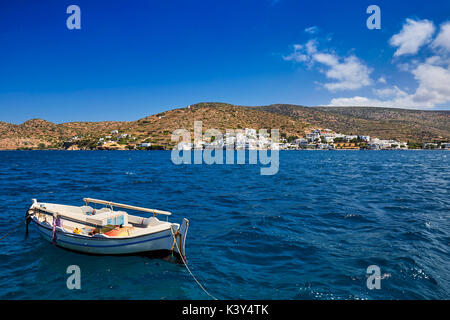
(355, 101)
(389, 92)
(433, 89)
(326, 59)
(298, 55)
(311, 46)
(431, 73)
(403, 67)
(350, 74)
(312, 30)
(347, 73)
(413, 35)
(434, 85)
(443, 38)
(382, 80)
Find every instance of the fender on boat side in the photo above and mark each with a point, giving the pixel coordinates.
(183, 232)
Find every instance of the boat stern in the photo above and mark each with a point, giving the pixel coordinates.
(180, 238)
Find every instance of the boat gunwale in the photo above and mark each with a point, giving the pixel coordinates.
(85, 245)
(100, 238)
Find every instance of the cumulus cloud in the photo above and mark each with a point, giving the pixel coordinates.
(348, 73)
(434, 85)
(412, 37)
(432, 73)
(433, 89)
(443, 38)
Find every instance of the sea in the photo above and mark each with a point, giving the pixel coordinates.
(328, 225)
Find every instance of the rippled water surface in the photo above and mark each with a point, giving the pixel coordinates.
(308, 232)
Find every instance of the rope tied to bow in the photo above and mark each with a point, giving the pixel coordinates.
(175, 235)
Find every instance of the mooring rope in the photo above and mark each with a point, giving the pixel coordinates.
(14, 228)
(189, 270)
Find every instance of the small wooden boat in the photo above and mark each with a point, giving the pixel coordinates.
(106, 231)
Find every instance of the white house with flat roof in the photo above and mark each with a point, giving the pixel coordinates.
(313, 136)
(365, 138)
(145, 145)
(250, 132)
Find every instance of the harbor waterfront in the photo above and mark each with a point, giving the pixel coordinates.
(308, 232)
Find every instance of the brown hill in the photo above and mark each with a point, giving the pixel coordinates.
(156, 129)
(220, 116)
(292, 120)
(384, 123)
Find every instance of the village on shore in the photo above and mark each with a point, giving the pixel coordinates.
(250, 139)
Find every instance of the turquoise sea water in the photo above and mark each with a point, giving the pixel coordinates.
(308, 232)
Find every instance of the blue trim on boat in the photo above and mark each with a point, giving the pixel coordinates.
(77, 236)
(107, 246)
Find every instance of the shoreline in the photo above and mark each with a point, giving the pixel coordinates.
(121, 150)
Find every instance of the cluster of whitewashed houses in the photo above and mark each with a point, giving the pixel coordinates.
(443, 145)
(326, 138)
(114, 137)
(316, 139)
(250, 139)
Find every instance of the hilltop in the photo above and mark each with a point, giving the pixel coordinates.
(292, 120)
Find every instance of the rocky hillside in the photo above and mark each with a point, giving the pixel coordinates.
(155, 129)
(384, 123)
(292, 120)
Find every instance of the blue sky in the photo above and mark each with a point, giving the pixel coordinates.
(135, 58)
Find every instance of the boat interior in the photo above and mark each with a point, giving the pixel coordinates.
(105, 222)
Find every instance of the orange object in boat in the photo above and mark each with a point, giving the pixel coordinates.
(119, 232)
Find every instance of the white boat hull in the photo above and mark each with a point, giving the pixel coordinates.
(162, 240)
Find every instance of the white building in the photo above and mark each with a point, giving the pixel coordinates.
(313, 136)
(301, 142)
(250, 132)
(365, 138)
(378, 144)
(184, 146)
(145, 145)
(430, 146)
(351, 137)
(263, 142)
(241, 140)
